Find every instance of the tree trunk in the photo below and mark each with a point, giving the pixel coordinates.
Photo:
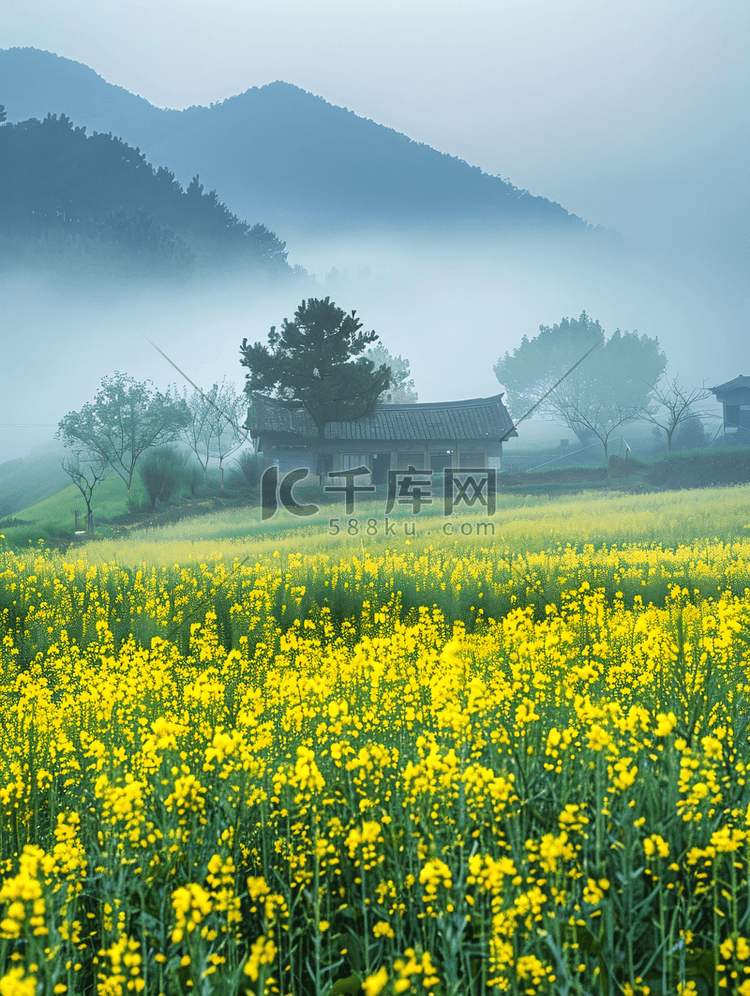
(320, 462)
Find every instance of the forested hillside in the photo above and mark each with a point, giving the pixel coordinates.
(72, 200)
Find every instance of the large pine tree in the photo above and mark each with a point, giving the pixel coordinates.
(316, 360)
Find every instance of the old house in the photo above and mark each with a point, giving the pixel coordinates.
(435, 436)
(734, 396)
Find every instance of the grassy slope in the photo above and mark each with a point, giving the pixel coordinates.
(54, 517)
(538, 510)
(30, 479)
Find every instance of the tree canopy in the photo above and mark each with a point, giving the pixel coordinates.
(316, 360)
(126, 418)
(401, 391)
(610, 387)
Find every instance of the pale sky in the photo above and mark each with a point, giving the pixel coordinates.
(621, 110)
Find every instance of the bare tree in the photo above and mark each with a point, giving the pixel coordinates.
(214, 429)
(86, 469)
(601, 420)
(228, 412)
(198, 433)
(674, 406)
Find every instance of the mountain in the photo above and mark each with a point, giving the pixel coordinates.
(281, 155)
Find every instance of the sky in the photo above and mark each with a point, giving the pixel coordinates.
(633, 114)
(582, 101)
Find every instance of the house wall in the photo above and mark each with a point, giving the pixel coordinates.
(736, 406)
(737, 416)
(289, 460)
(384, 456)
(436, 456)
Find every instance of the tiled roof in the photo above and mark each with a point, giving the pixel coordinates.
(479, 418)
(732, 385)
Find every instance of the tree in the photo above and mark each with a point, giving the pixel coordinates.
(317, 361)
(606, 390)
(3, 114)
(214, 429)
(600, 422)
(86, 469)
(198, 432)
(226, 417)
(674, 407)
(125, 418)
(401, 391)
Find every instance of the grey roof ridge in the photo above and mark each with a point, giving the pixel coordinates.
(467, 403)
(739, 381)
(407, 406)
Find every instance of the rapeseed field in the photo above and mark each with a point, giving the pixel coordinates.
(445, 767)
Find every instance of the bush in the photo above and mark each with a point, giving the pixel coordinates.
(162, 471)
(696, 469)
(690, 435)
(251, 466)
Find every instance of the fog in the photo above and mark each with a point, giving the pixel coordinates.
(633, 116)
(451, 304)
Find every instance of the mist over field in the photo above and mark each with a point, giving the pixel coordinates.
(451, 305)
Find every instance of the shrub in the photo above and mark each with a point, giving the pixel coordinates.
(251, 466)
(162, 471)
(691, 435)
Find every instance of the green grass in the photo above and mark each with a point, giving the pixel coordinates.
(535, 515)
(28, 480)
(53, 518)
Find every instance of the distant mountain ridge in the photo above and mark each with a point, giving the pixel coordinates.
(283, 155)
